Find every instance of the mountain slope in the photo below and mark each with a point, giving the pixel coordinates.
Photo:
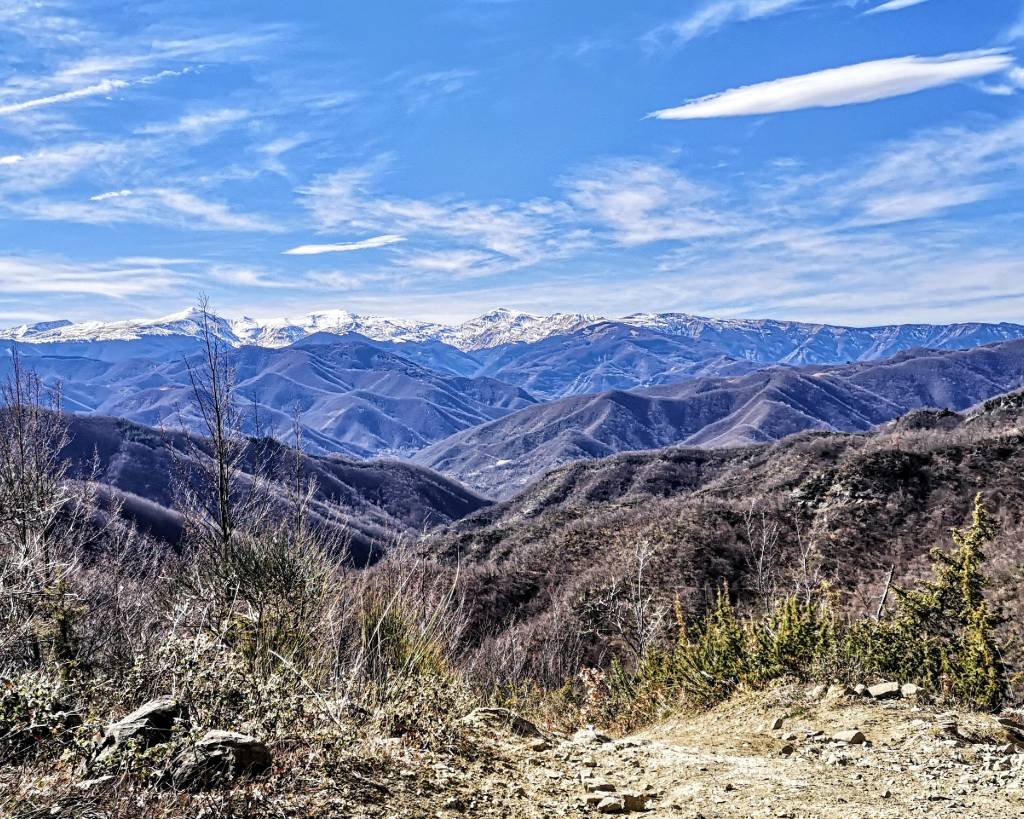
(501, 456)
(354, 396)
(603, 356)
(791, 342)
(373, 502)
(835, 506)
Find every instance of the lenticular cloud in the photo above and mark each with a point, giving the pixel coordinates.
(848, 85)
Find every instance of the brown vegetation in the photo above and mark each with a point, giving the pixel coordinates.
(559, 604)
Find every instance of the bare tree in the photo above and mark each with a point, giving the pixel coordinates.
(808, 573)
(628, 609)
(47, 519)
(763, 553)
(221, 482)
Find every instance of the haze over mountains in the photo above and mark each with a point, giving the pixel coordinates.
(497, 400)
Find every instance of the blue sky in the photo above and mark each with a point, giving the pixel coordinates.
(852, 161)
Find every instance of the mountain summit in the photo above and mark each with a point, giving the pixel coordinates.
(759, 340)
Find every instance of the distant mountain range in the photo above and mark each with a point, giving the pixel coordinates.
(765, 340)
(490, 330)
(497, 400)
(355, 398)
(502, 456)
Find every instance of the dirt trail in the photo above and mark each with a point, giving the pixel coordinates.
(916, 762)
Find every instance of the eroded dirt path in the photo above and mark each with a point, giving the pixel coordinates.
(733, 762)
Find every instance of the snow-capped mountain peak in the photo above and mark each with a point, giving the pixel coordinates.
(751, 339)
(28, 331)
(503, 326)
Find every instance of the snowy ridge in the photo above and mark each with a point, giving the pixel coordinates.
(490, 330)
(757, 340)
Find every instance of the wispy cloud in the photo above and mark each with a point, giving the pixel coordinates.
(101, 88)
(1016, 31)
(424, 88)
(894, 5)
(712, 16)
(345, 247)
(644, 202)
(119, 279)
(157, 206)
(848, 85)
(522, 233)
(198, 125)
(932, 173)
(50, 167)
(102, 197)
(244, 276)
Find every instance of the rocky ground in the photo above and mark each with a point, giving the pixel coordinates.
(786, 753)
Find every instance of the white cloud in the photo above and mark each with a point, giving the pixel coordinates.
(644, 202)
(240, 276)
(848, 85)
(894, 5)
(211, 214)
(712, 16)
(345, 247)
(11, 159)
(918, 204)
(102, 197)
(282, 145)
(932, 173)
(115, 280)
(446, 261)
(345, 280)
(51, 167)
(101, 88)
(156, 206)
(198, 125)
(423, 88)
(1016, 31)
(521, 232)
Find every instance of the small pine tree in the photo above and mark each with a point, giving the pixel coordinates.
(710, 660)
(795, 639)
(942, 634)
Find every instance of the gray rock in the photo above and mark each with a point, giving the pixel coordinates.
(590, 736)
(910, 690)
(502, 719)
(610, 804)
(634, 801)
(221, 756)
(860, 690)
(776, 724)
(837, 692)
(884, 691)
(148, 725)
(851, 737)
